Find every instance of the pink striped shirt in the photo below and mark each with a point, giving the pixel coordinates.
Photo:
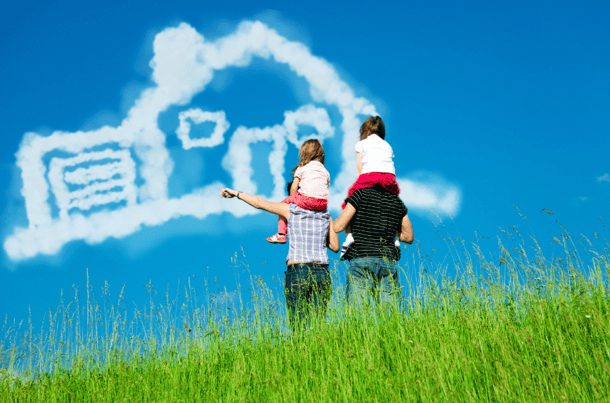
(314, 180)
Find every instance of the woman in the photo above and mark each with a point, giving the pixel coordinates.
(308, 285)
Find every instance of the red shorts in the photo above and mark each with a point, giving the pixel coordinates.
(384, 180)
(306, 202)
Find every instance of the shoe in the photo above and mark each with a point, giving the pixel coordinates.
(349, 240)
(277, 238)
(396, 242)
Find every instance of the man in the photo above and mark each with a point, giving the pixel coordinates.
(375, 216)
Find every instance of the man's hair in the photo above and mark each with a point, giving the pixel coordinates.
(372, 125)
(311, 150)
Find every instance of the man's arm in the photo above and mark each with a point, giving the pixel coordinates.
(346, 216)
(332, 240)
(280, 209)
(406, 230)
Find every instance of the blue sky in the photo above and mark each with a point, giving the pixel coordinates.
(487, 106)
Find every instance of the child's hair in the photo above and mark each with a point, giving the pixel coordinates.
(372, 125)
(311, 150)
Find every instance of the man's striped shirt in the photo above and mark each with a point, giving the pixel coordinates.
(378, 217)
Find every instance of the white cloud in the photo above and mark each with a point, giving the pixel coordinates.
(199, 116)
(604, 178)
(429, 193)
(104, 163)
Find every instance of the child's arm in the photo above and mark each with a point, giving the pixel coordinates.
(359, 158)
(295, 185)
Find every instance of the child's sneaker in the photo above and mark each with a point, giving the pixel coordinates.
(396, 242)
(277, 238)
(349, 240)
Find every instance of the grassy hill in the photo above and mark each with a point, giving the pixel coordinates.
(528, 329)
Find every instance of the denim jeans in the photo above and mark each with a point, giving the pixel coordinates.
(308, 288)
(372, 279)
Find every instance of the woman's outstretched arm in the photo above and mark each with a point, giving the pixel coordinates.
(280, 209)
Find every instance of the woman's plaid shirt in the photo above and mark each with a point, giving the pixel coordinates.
(307, 232)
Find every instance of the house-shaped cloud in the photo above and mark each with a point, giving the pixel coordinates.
(111, 181)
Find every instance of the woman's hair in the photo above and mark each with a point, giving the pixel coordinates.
(372, 125)
(311, 150)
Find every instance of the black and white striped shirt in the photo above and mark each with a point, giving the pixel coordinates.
(378, 217)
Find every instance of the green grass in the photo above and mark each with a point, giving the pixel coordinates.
(529, 329)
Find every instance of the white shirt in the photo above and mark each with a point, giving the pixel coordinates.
(314, 180)
(377, 155)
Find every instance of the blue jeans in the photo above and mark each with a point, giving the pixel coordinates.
(308, 288)
(372, 279)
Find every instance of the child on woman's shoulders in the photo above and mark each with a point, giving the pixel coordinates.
(375, 166)
(309, 188)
